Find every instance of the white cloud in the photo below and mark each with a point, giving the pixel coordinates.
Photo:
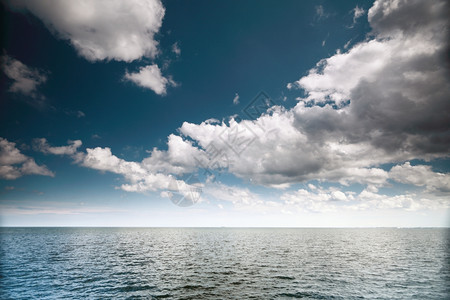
(14, 164)
(369, 200)
(150, 77)
(43, 146)
(160, 170)
(141, 179)
(155, 173)
(180, 158)
(276, 152)
(421, 175)
(327, 200)
(25, 79)
(236, 99)
(102, 29)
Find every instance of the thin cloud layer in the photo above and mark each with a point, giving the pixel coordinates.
(102, 30)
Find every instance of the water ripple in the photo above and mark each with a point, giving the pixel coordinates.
(177, 263)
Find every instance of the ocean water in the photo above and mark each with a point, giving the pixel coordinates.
(224, 263)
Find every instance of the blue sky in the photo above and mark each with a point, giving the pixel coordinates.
(232, 113)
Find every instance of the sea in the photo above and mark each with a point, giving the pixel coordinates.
(224, 263)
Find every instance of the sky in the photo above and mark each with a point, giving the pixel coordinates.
(225, 113)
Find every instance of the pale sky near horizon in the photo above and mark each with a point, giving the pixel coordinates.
(225, 113)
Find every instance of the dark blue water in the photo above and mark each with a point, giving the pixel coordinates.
(188, 263)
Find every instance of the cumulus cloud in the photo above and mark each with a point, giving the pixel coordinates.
(25, 79)
(14, 164)
(140, 176)
(150, 77)
(272, 151)
(326, 200)
(104, 29)
(316, 199)
(162, 169)
(421, 175)
(390, 91)
(158, 172)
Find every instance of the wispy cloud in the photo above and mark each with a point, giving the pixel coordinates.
(54, 208)
(358, 12)
(236, 99)
(176, 49)
(26, 80)
(320, 13)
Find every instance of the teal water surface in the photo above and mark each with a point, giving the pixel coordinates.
(224, 263)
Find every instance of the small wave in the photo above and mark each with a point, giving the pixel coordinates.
(135, 288)
(284, 277)
(302, 295)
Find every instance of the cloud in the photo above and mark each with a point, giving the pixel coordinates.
(316, 199)
(358, 12)
(390, 91)
(150, 77)
(272, 151)
(236, 99)
(176, 49)
(25, 79)
(162, 169)
(421, 175)
(43, 146)
(61, 208)
(14, 164)
(104, 29)
(140, 176)
(158, 172)
(320, 13)
(328, 200)
(239, 196)
(75, 113)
